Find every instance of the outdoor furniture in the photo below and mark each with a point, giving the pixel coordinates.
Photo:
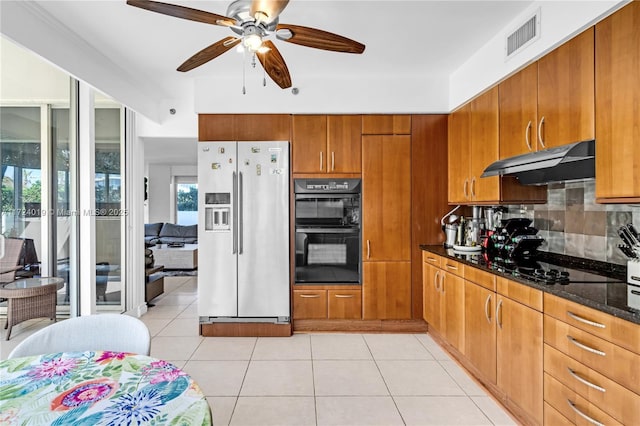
(96, 387)
(10, 258)
(30, 298)
(105, 332)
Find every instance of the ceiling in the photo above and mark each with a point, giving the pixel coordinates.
(401, 37)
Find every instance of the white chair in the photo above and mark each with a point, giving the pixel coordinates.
(103, 332)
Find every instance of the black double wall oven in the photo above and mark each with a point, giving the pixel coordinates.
(327, 231)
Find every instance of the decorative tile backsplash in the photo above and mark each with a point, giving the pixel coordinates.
(572, 223)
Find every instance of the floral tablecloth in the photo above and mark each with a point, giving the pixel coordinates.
(98, 388)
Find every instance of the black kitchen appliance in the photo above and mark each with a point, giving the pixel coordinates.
(514, 239)
(327, 231)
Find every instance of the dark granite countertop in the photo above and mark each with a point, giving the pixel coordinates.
(609, 296)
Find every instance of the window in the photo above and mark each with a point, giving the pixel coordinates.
(186, 202)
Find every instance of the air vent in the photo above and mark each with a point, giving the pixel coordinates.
(524, 35)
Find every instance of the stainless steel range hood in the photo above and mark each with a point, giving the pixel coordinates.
(565, 163)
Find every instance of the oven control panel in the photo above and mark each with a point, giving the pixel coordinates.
(326, 185)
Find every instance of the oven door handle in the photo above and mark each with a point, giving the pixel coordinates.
(327, 230)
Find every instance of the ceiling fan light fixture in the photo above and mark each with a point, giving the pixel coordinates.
(253, 42)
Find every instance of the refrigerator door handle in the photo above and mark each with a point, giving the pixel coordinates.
(240, 214)
(235, 210)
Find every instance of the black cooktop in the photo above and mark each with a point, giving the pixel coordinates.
(596, 284)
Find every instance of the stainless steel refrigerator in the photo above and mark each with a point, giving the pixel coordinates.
(243, 231)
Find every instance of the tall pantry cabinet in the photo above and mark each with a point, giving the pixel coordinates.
(386, 226)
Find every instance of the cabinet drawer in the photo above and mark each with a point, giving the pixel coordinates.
(456, 268)
(608, 327)
(309, 304)
(612, 361)
(431, 258)
(617, 401)
(520, 293)
(572, 406)
(345, 304)
(552, 417)
(482, 278)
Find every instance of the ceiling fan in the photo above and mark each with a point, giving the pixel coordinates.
(254, 22)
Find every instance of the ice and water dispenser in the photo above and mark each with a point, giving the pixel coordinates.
(217, 211)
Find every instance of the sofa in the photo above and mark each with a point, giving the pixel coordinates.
(166, 233)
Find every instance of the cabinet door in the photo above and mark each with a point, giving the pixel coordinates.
(309, 304)
(386, 290)
(484, 146)
(519, 112)
(520, 355)
(459, 160)
(344, 304)
(618, 97)
(431, 282)
(309, 137)
(566, 92)
(480, 329)
(452, 288)
(386, 124)
(344, 144)
(386, 198)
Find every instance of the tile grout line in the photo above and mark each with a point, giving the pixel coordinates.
(375, 361)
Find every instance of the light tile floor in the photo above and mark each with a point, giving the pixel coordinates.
(310, 379)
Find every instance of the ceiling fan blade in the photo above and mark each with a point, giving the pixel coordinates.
(319, 39)
(209, 53)
(270, 9)
(274, 65)
(182, 12)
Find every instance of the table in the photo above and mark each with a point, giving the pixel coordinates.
(154, 283)
(98, 388)
(185, 257)
(30, 298)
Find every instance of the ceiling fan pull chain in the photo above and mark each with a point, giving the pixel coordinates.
(244, 72)
(264, 70)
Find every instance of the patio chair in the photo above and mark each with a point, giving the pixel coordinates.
(10, 261)
(105, 332)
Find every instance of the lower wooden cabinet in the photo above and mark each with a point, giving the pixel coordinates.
(578, 410)
(386, 290)
(480, 329)
(309, 304)
(344, 304)
(431, 294)
(452, 288)
(327, 304)
(589, 376)
(519, 337)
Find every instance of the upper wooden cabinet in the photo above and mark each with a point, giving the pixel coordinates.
(617, 100)
(550, 102)
(484, 146)
(244, 127)
(326, 144)
(474, 145)
(459, 157)
(519, 113)
(566, 90)
(386, 124)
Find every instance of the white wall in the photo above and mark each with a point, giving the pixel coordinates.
(345, 94)
(560, 21)
(161, 190)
